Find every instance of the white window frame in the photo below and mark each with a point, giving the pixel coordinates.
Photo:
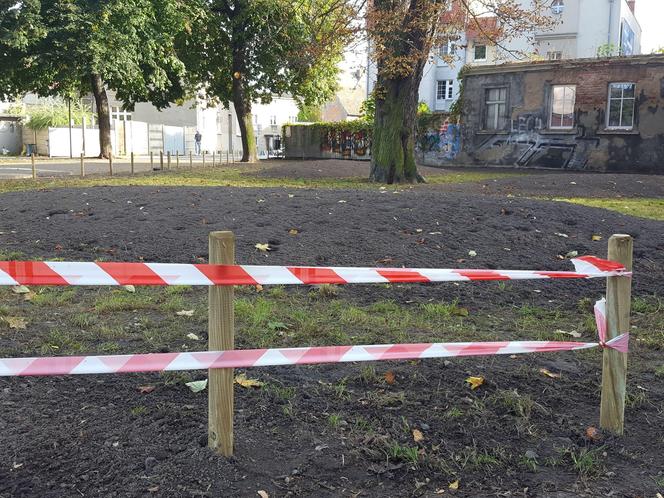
(560, 127)
(554, 55)
(117, 112)
(486, 51)
(558, 7)
(497, 103)
(447, 87)
(273, 120)
(447, 49)
(622, 103)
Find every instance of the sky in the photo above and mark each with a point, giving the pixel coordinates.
(650, 14)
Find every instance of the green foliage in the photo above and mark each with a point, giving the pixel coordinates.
(52, 47)
(368, 108)
(55, 113)
(608, 50)
(309, 113)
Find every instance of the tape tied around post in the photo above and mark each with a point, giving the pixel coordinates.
(619, 343)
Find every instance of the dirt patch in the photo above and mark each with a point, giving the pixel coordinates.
(337, 430)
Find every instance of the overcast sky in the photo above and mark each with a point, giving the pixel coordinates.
(650, 14)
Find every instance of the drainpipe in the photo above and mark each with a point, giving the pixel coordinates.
(608, 35)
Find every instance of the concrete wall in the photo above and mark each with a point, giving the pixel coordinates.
(527, 139)
(11, 135)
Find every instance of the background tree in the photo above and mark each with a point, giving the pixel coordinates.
(70, 48)
(250, 50)
(402, 34)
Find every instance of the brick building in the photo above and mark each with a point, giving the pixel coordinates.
(582, 114)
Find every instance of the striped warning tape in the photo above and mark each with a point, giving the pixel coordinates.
(104, 273)
(244, 358)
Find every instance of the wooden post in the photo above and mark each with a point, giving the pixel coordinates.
(221, 336)
(132, 162)
(614, 363)
(213, 159)
(191, 161)
(168, 160)
(204, 159)
(177, 160)
(82, 165)
(226, 157)
(110, 164)
(161, 160)
(151, 160)
(34, 169)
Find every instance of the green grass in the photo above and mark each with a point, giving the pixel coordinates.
(231, 177)
(643, 208)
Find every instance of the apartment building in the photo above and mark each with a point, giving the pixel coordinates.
(583, 29)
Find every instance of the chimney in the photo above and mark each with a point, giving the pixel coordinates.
(631, 4)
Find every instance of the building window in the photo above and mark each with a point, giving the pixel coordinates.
(557, 6)
(445, 90)
(554, 56)
(562, 106)
(480, 52)
(120, 114)
(621, 106)
(450, 5)
(273, 120)
(496, 106)
(447, 49)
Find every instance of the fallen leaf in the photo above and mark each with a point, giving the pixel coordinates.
(548, 373)
(290, 196)
(417, 435)
(435, 233)
(185, 313)
(563, 235)
(242, 380)
(197, 385)
(342, 202)
(475, 382)
(385, 261)
(293, 231)
(472, 254)
(262, 247)
(28, 296)
(460, 311)
(20, 289)
(129, 288)
(153, 489)
(263, 494)
(146, 389)
(596, 237)
(389, 377)
(454, 485)
(15, 322)
(593, 433)
(439, 491)
(573, 333)
(572, 254)
(259, 288)
(192, 336)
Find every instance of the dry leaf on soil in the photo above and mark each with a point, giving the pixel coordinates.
(454, 485)
(293, 231)
(185, 313)
(129, 288)
(197, 385)
(389, 377)
(573, 333)
(417, 435)
(262, 247)
(475, 382)
(15, 322)
(548, 373)
(192, 336)
(146, 389)
(596, 237)
(263, 494)
(20, 289)
(245, 382)
(593, 434)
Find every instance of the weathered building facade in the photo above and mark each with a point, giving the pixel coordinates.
(582, 114)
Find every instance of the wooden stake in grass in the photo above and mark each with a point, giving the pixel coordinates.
(161, 160)
(204, 159)
(82, 165)
(132, 163)
(221, 336)
(213, 159)
(151, 160)
(110, 164)
(34, 169)
(614, 363)
(168, 160)
(191, 161)
(177, 159)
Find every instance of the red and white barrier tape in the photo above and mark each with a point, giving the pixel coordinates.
(244, 358)
(101, 273)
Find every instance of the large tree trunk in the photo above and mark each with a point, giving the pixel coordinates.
(103, 116)
(393, 144)
(243, 112)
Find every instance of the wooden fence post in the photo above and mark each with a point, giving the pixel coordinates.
(110, 164)
(82, 165)
(203, 159)
(614, 363)
(191, 161)
(132, 162)
(168, 160)
(221, 336)
(34, 169)
(151, 160)
(161, 160)
(213, 159)
(177, 160)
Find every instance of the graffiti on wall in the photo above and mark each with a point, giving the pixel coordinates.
(346, 143)
(526, 144)
(444, 143)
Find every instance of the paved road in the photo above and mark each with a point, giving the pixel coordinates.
(22, 168)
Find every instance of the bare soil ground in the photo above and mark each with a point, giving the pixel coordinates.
(333, 430)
